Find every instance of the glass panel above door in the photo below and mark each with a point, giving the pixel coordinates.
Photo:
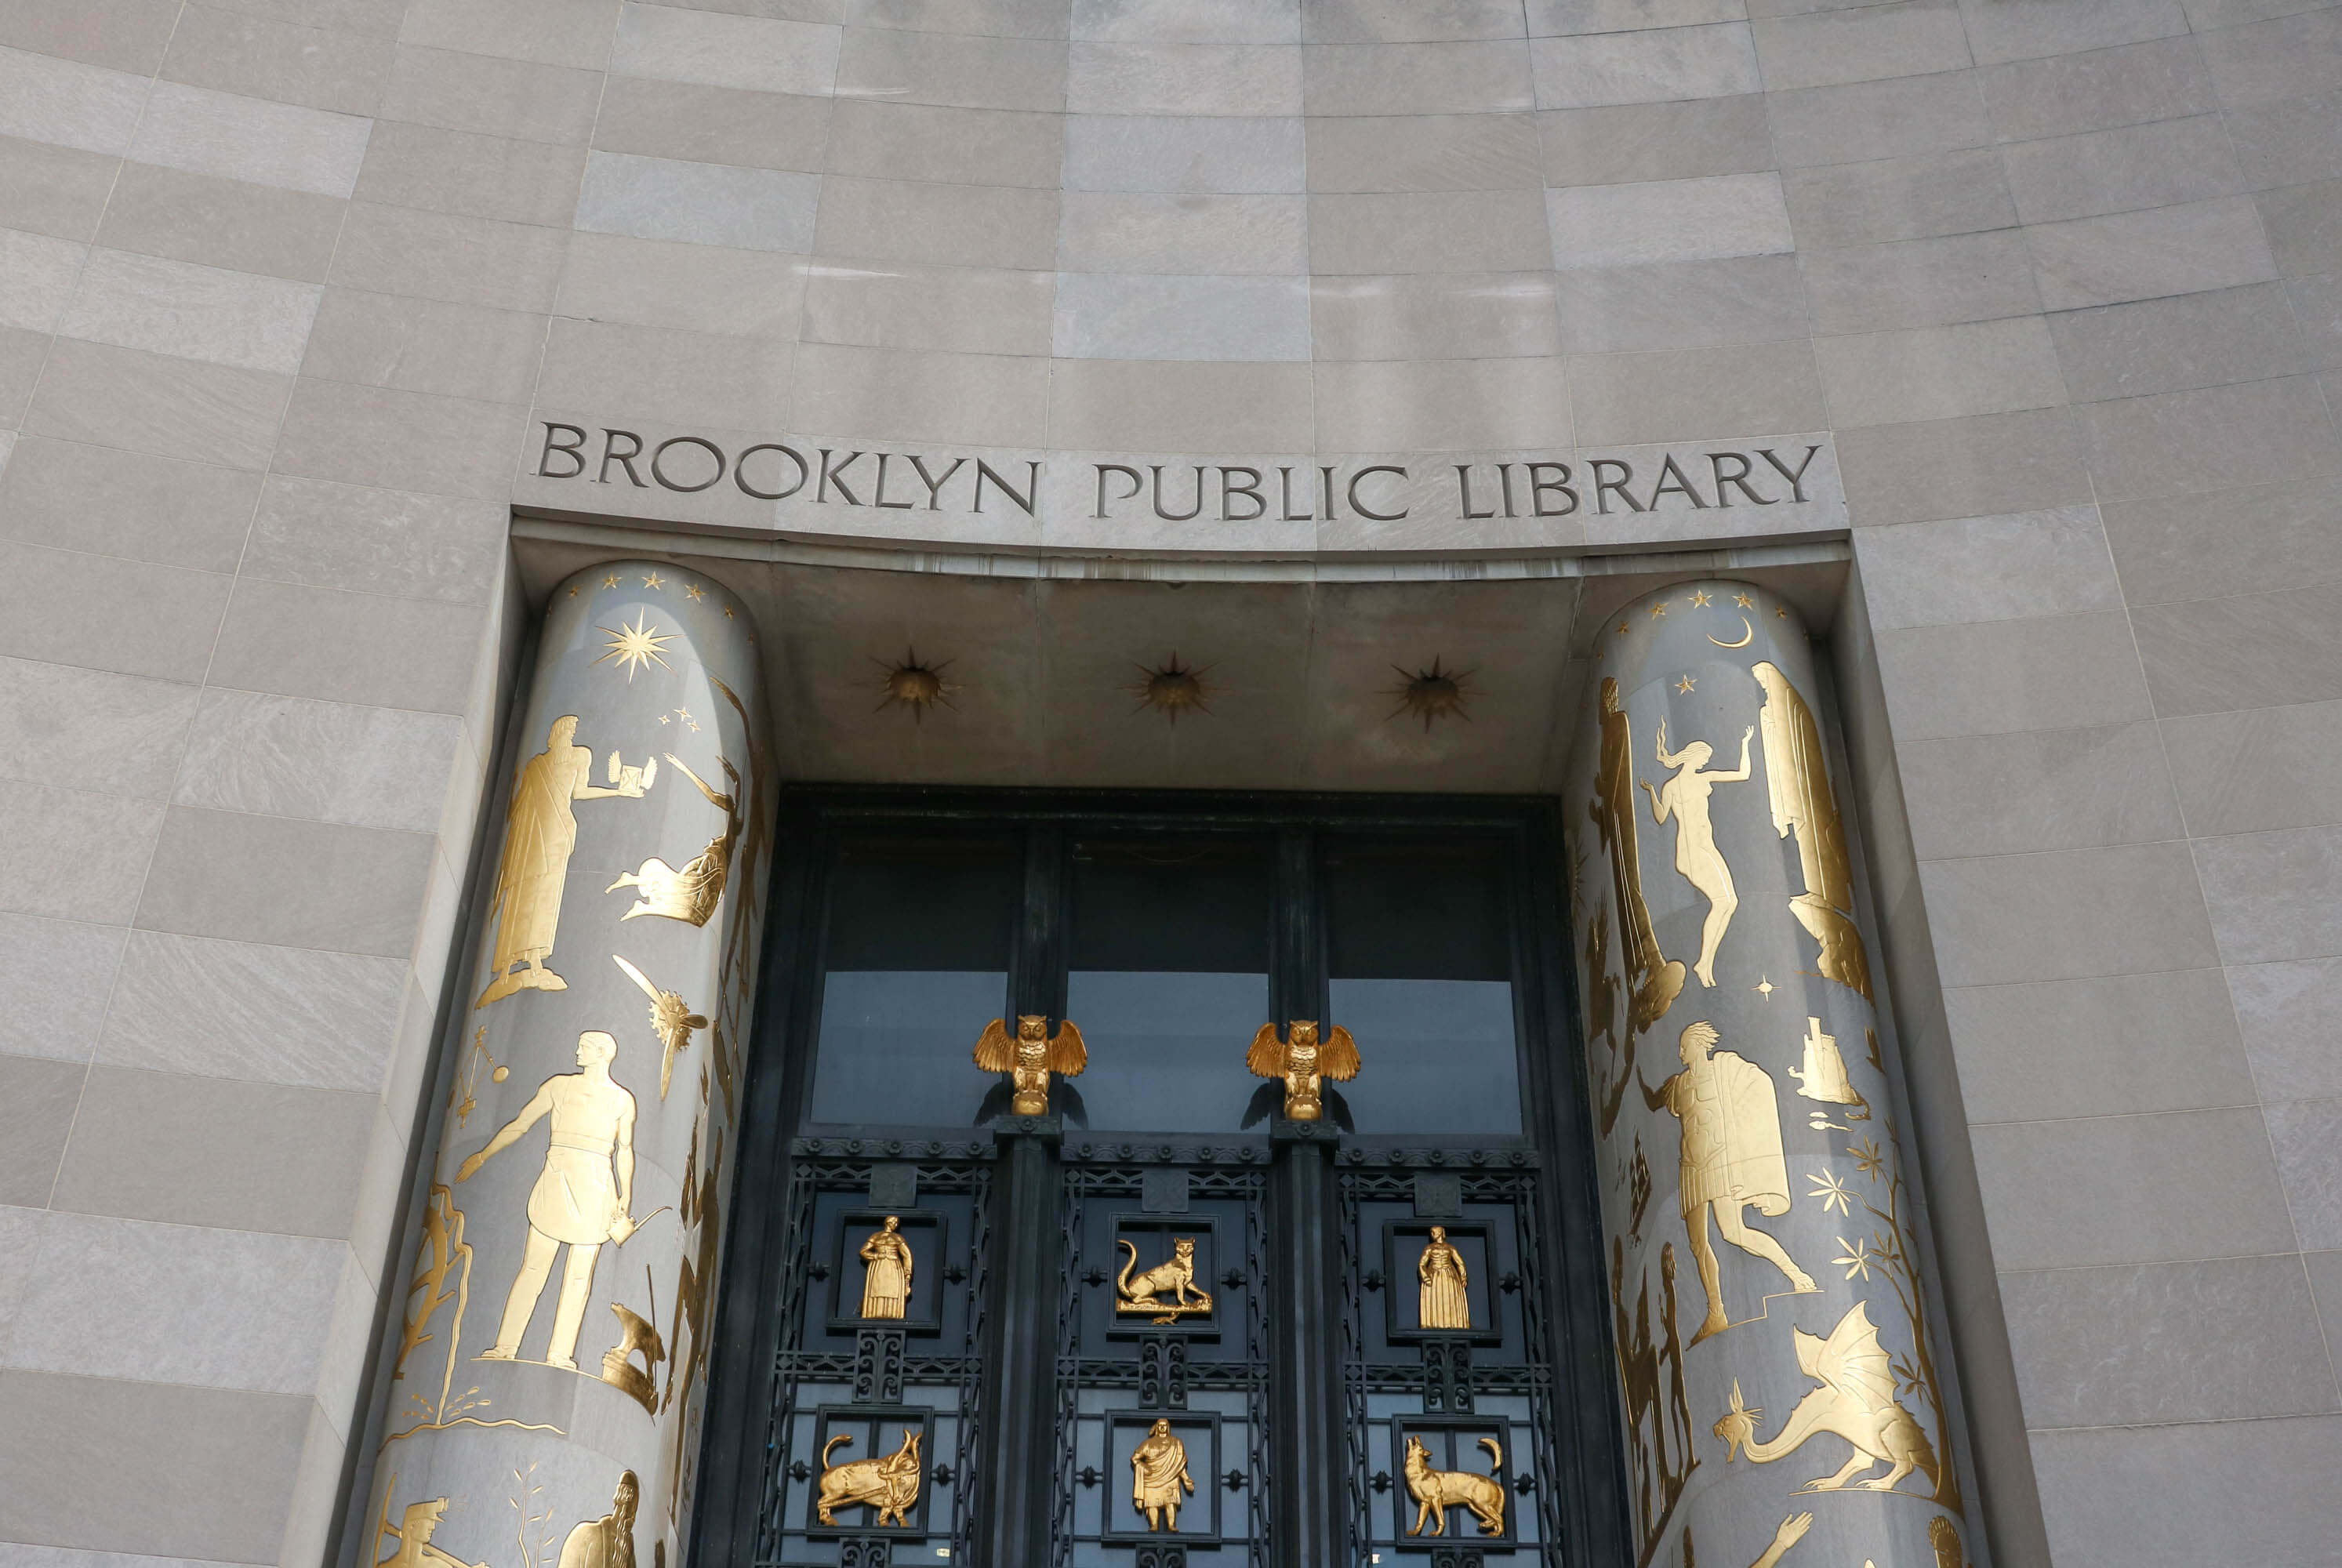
(1168, 978)
(917, 963)
(1419, 965)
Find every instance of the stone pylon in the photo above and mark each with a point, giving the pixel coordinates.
(1784, 1387)
(550, 1361)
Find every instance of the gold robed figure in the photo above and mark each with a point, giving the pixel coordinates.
(1797, 778)
(1653, 980)
(1445, 1302)
(608, 1542)
(1158, 1469)
(540, 830)
(886, 1271)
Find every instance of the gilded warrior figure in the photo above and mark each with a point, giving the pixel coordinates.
(540, 830)
(1444, 1303)
(886, 1271)
(1731, 1158)
(1159, 1469)
(1652, 979)
(576, 1201)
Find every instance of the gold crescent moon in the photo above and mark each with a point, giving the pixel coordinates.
(1747, 635)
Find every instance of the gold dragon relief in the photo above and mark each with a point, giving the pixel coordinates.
(1856, 1401)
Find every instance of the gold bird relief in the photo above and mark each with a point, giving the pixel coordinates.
(1304, 1060)
(1030, 1057)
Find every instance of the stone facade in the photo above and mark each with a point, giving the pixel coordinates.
(295, 291)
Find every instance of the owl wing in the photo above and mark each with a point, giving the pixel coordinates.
(1338, 1058)
(1067, 1054)
(996, 1051)
(1266, 1056)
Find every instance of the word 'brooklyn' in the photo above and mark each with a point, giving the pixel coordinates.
(1179, 492)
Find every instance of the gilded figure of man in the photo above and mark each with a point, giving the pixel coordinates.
(885, 1271)
(1652, 979)
(1158, 1469)
(414, 1529)
(1444, 1301)
(1731, 1159)
(581, 1199)
(540, 830)
(608, 1542)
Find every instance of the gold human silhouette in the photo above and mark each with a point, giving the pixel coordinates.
(1652, 979)
(1731, 1158)
(1684, 797)
(1443, 1301)
(414, 1532)
(1158, 1469)
(576, 1201)
(886, 1271)
(608, 1542)
(540, 830)
(1796, 779)
(692, 893)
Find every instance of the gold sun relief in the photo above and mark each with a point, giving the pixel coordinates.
(1431, 692)
(1172, 689)
(635, 645)
(913, 684)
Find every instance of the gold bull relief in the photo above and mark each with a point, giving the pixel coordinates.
(1437, 1491)
(1304, 1060)
(1030, 1057)
(890, 1485)
(1143, 1294)
(1856, 1401)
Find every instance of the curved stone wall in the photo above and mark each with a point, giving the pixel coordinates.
(302, 296)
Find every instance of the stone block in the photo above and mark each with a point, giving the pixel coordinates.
(1186, 21)
(2289, 142)
(335, 646)
(191, 312)
(41, 272)
(1682, 304)
(2275, 896)
(2080, 788)
(945, 226)
(2259, 537)
(2161, 164)
(994, 18)
(2281, 58)
(239, 138)
(1420, 152)
(79, 854)
(68, 104)
(1424, 316)
(469, 173)
(1668, 220)
(2049, 672)
(1984, 466)
(2307, 1137)
(2084, 262)
(2162, 79)
(375, 435)
(104, 613)
(1901, 117)
(1919, 283)
(316, 761)
(2099, 1190)
(2260, 768)
(2287, 1013)
(758, 53)
(1456, 404)
(427, 345)
(2305, 226)
(1404, 22)
(973, 310)
(37, 1099)
(2052, 563)
(911, 395)
(1862, 44)
(1939, 373)
(2124, 1045)
(124, 732)
(1428, 231)
(2194, 1492)
(1191, 156)
(147, 401)
(660, 374)
(120, 34)
(318, 67)
(61, 192)
(1645, 67)
(701, 203)
(965, 71)
(441, 255)
(278, 882)
(2210, 438)
(1236, 79)
(1103, 232)
(668, 283)
(375, 541)
(1461, 78)
(2001, 30)
(1123, 316)
(692, 123)
(1619, 143)
(574, 33)
(223, 223)
(55, 966)
(2243, 651)
(109, 502)
(2178, 343)
(887, 140)
(1683, 395)
(1169, 405)
(1923, 198)
(493, 95)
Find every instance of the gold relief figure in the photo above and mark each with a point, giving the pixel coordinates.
(1792, 1531)
(1944, 1536)
(608, 1542)
(692, 893)
(1638, 1381)
(890, 1485)
(576, 1201)
(540, 830)
(702, 1213)
(1141, 1292)
(1797, 778)
(1437, 1491)
(1443, 1301)
(885, 1271)
(1684, 797)
(672, 1020)
(1158, 1469)
(1731, 1159)
(1030, 1058)
(1652, 979)
(1602, 1012)
(444, 1252)
(413, 1532)
(1823, 1076)
(1304, 1060)
(1856, 1401)
(636, 1336)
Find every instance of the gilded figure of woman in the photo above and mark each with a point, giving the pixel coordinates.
(886, 1271)
(1684, 797)
(1445, 1302)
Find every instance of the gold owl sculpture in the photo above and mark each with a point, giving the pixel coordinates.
(1303, 1061)
(1030, 1057)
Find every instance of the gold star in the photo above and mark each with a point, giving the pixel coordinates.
(655, 581)
(1685, 684)
(664, 719)
(1698, 600)
(728, 611)
(635, 645)
(684, 714)
(611, 581)
(1658, 609)
(693, 591)
(1744, 601)
(573, 590)
(1624, 628)
(1764, 988)
(1782, 611)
